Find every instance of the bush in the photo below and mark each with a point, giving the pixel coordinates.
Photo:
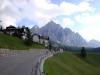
(28, 42)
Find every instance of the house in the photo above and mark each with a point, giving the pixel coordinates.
(24, 32)
(61, 50)
(41, 39)
(18, 32)
(36, 38)
(10, 30)
(44, 40)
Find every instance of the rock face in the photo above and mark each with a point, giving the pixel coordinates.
(58, 34)
(54, 31)
(35, 29)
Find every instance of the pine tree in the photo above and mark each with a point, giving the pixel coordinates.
(28, 40)
(83, 53)
(50, 46)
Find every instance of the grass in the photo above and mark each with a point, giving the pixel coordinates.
(39, 46)
(11, 42)
(93, 59)
(69, 64)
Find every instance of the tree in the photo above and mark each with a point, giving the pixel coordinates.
(83, 53)
(50, 46)
(1, 28)
(28, 40)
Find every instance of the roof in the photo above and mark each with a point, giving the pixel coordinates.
(41, 37)
(36, 35)
(44, 37)
(10, 27)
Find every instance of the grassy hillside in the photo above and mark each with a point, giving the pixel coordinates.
(94, 59)
(69, 64)
(15, 43)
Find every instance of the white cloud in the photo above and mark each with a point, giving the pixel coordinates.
(87, 19)
(8, 13)
(18, 9)
(87, 0)
(42, 18)
(91, 33)
(69, 8)
(7, 20)
(67, 22)
(52, 10)
(90, 25)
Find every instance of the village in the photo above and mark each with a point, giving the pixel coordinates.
(24, 33)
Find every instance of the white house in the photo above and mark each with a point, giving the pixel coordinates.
(44, 40)
(41, 39)
(36, 38)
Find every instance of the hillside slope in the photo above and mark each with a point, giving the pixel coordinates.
(11, 42)
(69, 64)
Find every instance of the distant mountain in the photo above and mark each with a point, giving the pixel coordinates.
(94, 43)
(53, 30)
(58, 34)
(35, 29)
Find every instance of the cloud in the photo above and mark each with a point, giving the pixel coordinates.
(40, 11)
(51, 10)
(69, 8)
(91, 33)
(90, 25)
(90, 20)
(7, 20)
(8, 13)
(87, 0)
(66, 22)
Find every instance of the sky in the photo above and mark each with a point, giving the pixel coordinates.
(82, 16)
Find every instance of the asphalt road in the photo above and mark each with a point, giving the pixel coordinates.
(23, 63)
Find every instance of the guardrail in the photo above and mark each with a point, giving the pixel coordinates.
(41, 62)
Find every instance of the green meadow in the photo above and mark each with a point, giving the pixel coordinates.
(69, 63)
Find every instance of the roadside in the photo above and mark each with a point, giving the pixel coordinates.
(16, 62)
(10, 52)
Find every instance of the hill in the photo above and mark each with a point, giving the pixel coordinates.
(69, 64)
(11, 42)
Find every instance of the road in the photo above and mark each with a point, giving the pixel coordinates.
(23, 63)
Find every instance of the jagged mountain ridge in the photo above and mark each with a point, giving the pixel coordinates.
(35, 29)
(58, 34)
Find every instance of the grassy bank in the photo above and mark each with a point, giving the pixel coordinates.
(69, 64)
(11, 42)
(94, 59)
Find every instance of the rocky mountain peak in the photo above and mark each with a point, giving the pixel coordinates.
(35, 29)
(64, 36)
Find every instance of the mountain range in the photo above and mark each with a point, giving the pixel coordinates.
(64, 36)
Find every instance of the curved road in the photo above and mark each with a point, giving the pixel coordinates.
(23, 63)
